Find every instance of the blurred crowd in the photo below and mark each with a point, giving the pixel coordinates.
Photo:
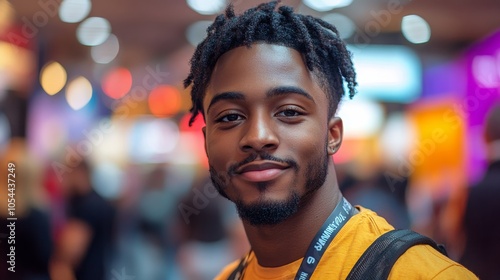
(166, 225)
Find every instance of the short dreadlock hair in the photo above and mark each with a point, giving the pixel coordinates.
(317, 40)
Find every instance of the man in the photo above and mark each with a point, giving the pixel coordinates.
(268, 83)
(85, 242)
(482, 244)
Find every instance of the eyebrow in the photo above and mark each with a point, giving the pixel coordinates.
(230, 95)
(276, 91)
(286, 90)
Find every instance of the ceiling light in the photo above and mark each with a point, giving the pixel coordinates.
(326, 5)
(345, 26)
(415, 29)
(205, 7)
(93, 31)
(107, 51)
(72, 11)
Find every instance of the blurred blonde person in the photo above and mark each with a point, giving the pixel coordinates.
(29, 235)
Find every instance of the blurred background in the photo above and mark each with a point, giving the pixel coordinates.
(112, 183)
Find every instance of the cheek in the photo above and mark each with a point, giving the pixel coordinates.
(305, 141)
(219, 151)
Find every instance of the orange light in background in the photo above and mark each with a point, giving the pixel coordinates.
(6, 15)
(440, 141)
(117, 82)
(53, 78)
(164, 101)
(437, 163)
(16, 66)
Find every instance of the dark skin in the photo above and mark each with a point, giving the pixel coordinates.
(263, 99)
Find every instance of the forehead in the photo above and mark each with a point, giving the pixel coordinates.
(261, 66)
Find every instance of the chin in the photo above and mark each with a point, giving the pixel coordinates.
(266, 211)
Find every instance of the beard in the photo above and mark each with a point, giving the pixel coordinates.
(265, 212)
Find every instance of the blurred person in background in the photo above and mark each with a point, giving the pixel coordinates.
(151, 239)
(208, 227)
(268, 83)
(482, 233)
(33, 243)
(84, 244)
(374, 193)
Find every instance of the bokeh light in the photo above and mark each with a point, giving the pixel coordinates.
(207, 7)
(117, 82)
(415, 29)
(16, 66)
(6, 15)
(107, 179)
(164, 101)
(362, 118)
(53, 77)
(399, 80)
(93, 31)
(486, 70)
(72, 11)
(153, 140)
(79, 93)
(345, 26)
(326, 5)
(397, 137)
(107, 51)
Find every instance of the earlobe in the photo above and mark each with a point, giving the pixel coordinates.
(335, 133)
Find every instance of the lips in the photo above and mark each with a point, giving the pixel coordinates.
(261, 171)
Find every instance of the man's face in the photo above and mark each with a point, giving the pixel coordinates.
(267, 131)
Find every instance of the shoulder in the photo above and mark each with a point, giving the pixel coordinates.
(427, 263)
(422, 261)
(368, 223)
(227, 270)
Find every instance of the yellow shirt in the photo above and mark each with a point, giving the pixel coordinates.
(419, 262)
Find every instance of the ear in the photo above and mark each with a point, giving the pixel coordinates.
(335, 133)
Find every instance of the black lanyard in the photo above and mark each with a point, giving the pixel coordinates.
(337, 219)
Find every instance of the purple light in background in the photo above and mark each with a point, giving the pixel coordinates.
(52, 125)
(444, 79)
(483, 90)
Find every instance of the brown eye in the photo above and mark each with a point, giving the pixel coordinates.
(229, 118)
(289, 113)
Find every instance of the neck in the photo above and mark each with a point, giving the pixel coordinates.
(288, 241)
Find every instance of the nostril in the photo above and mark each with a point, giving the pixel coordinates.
(246, 148)
(269, 146)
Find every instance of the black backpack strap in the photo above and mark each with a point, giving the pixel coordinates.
(377, 261)
(238, 271)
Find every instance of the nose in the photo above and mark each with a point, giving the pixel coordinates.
(260, 135)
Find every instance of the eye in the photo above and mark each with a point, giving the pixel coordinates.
(289, 112)
(229, 118)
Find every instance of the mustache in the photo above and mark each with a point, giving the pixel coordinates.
(262, 156)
